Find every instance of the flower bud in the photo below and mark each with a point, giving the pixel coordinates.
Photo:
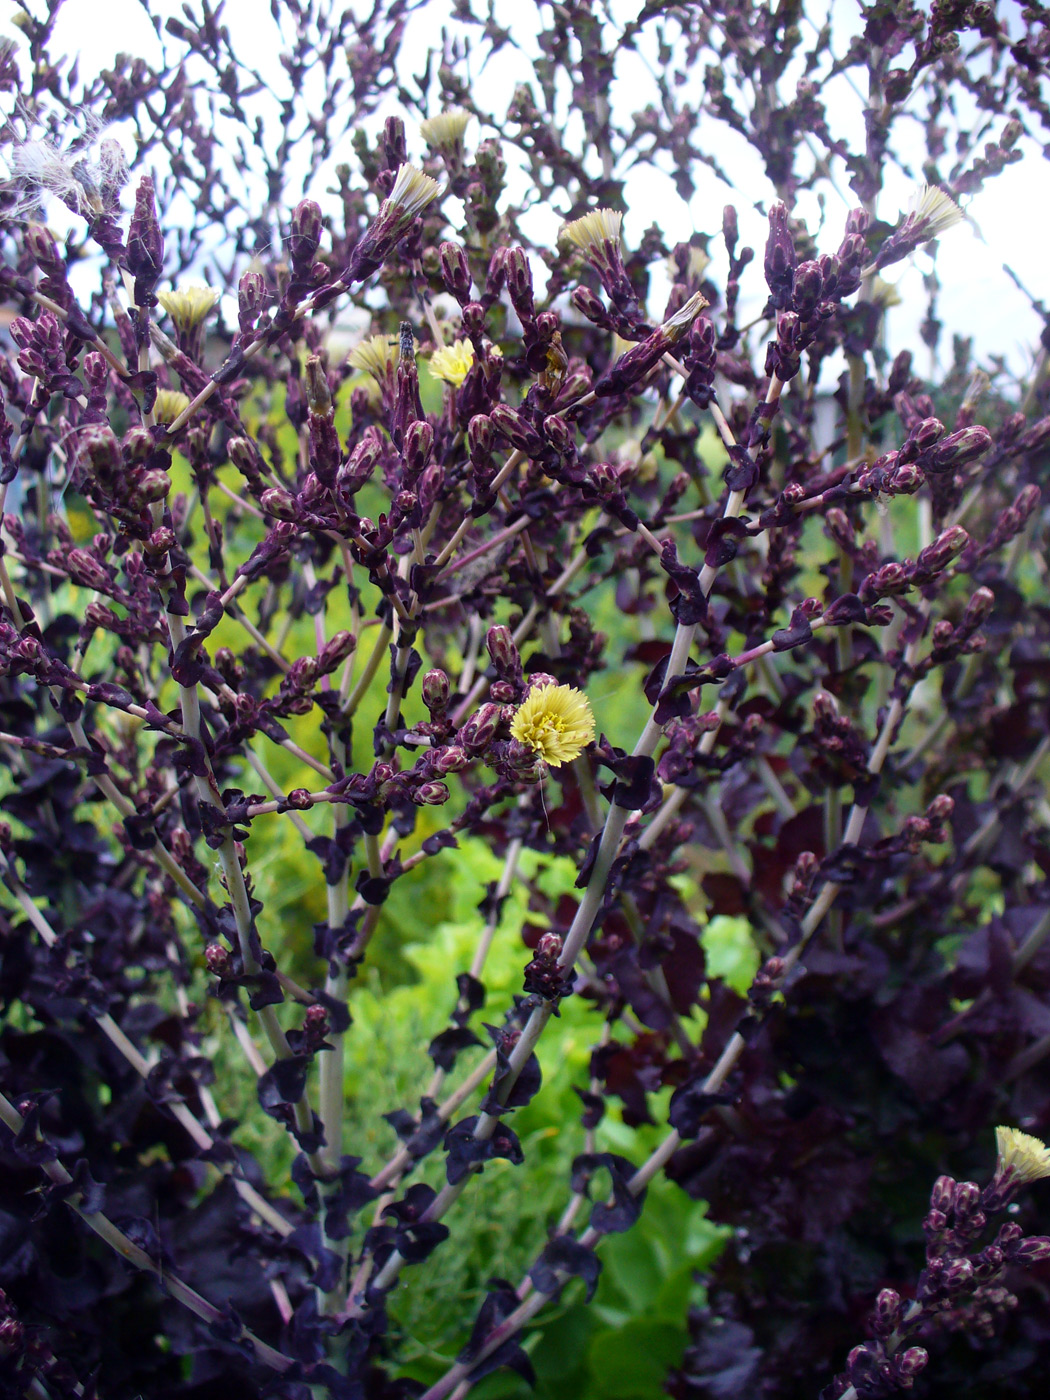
(501, 648)
(452, 759)
(436, 691)
(417, 447)
(937, 556)
(480, 730)
(988, 1264)
(430, 794)
(305, 236)
(277, 502)
(517, 429)
(909, 1363)
(519, 283)
(299, 800)
(1034, 1250)
(217, 960)
(958, 1275)
(888, 1312)
(806, 287)
(965, 1199)
(455, 271)
(150, 487)
(481, 436)
(560, 434)
(957, 449)
(473, 319)
(251, 297)
(160, 541)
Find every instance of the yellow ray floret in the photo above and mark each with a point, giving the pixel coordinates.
(169, 404)
(188, 306)
(555, 721)
(1022, 1157)
(375, 356)
(445, 131)
(452, 362)
(591, 231)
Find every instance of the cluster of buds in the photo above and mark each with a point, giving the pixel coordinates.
(961, 1286)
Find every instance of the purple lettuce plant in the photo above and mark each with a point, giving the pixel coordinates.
(404, 526)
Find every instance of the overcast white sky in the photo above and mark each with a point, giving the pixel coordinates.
(977, 297)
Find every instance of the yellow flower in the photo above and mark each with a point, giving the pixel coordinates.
(376, 356)
(169, 404)
(555, 721)
(1022, 1158)
(445, 131)
(188, 306)
(591, 231)
(452, 362)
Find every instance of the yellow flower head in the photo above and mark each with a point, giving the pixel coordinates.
(555, 721)
(444, 132)
(169, 404)
(188, 306)
(593, 230)
(452, 362)
(376, 356)
(1022, 1158)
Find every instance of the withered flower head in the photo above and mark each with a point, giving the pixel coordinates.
(556, 722)
(452, 362)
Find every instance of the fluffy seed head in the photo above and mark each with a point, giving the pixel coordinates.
(555, 721)
(452, 362)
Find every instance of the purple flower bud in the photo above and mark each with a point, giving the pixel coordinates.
(888, 1311)
(965, 1198)
(589, 304)
(909, 1363)
(560, 434)
(905, 481)
(455, 271)
(518, 431)
(100, 447)
(806, 287)
(150, 487)
(1037, 436)
(1034, 1250)
(1008, 1234)
(923, 438)
(452, 759)
(299, 800)
(473, 319)
(519, 283)
(957, 449)
(436, 691)
(480, 730)
(504, 653)
(958, 1275)
(430, 794)
(780, 260)
(481, 436)
(305, 236)
(318, 394)
(988, 1264)
(937, 556)
(336, 649)
(418, 445)
(276, 502)
(217, 960)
